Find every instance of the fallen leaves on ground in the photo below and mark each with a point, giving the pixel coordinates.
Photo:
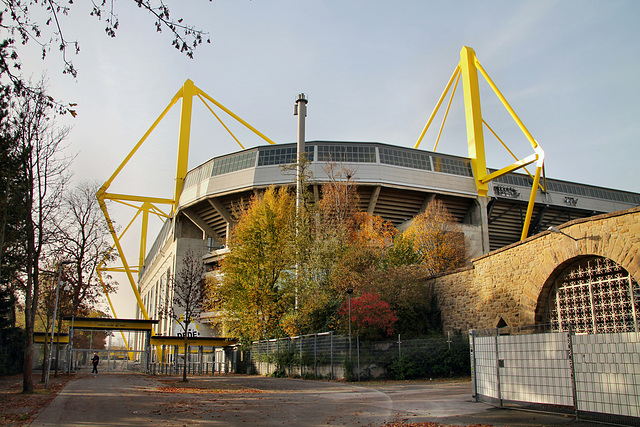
(198, 386)
(169, 389)
(17, 409)
(402, 424)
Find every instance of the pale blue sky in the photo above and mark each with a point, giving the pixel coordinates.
(372, 70)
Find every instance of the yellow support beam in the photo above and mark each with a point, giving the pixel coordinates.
(123, 259)
(43, 337)
(512, 167)
(504, 101)
(473, 114)
(237, 118)
(102, 323)
(532, 200)
(148, 204)
(113, 310)
(456, 73)
(468, 69)
(132, 198)
(143, 233)
(175, 99)
(189, 90)
(200, 341)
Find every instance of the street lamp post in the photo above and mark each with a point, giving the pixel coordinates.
(71, 333)
(556, 230)
(53, 326)
(349, 292)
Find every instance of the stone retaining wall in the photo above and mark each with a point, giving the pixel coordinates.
(513, 283)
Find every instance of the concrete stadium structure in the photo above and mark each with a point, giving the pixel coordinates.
(396, 183)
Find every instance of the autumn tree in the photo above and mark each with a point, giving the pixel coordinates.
(254, 286)
(11, 337)
(188, 302)
(82, 237)
(292, 277)
(13, 213)
(371, 317)
(340, 199)
(412, 298)
(373, 258)
(320, 244)
(436, 239)
(42, 22)
(42, 177)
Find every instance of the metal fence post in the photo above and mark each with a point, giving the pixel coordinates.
(162, 367)
(474, 379)
(574, 389)
(331, 351)
(358, 349)
(289, 366)
(498, 368)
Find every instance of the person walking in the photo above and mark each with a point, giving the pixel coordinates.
(95, 360)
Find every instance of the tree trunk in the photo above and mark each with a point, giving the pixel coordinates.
(45, 356)
(184, 368)
(29, 321)
(27, 378)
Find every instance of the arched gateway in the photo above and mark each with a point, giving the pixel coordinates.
(592, 295)
(586, 276)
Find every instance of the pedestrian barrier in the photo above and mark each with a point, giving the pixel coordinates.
(591, 376)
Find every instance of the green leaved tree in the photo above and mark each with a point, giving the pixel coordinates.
(254, 289)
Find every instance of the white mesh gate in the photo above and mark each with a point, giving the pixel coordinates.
(595, 376)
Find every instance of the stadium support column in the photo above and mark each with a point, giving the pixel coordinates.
(483, 203)
(473, 114)
(300, 110)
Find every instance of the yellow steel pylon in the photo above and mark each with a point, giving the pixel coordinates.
(145, 205)
(467, 69)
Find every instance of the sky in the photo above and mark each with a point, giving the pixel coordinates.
(372, 70)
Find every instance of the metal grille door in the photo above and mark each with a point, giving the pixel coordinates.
(595, 295)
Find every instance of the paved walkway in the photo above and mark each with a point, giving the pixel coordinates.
(128, 400)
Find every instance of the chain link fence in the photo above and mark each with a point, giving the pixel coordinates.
(590, 376)
(327, 355)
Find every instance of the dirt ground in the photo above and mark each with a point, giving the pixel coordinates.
(202, 386)
(17, 409)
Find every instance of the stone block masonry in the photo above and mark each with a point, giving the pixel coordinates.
(513, 283)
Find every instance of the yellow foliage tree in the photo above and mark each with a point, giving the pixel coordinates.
(253, 289)
(437, 239)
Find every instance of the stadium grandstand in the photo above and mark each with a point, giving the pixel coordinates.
(393, 182)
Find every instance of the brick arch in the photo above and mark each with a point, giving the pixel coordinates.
(513, 283)
(545, 289)
(540, 313)
(607, 236)
(595, 238)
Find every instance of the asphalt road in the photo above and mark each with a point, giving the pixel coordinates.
(128, 400)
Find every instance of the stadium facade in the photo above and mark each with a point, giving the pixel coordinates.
(395, 183)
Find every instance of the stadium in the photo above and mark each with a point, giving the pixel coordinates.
(496, 208)
(395, 183)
